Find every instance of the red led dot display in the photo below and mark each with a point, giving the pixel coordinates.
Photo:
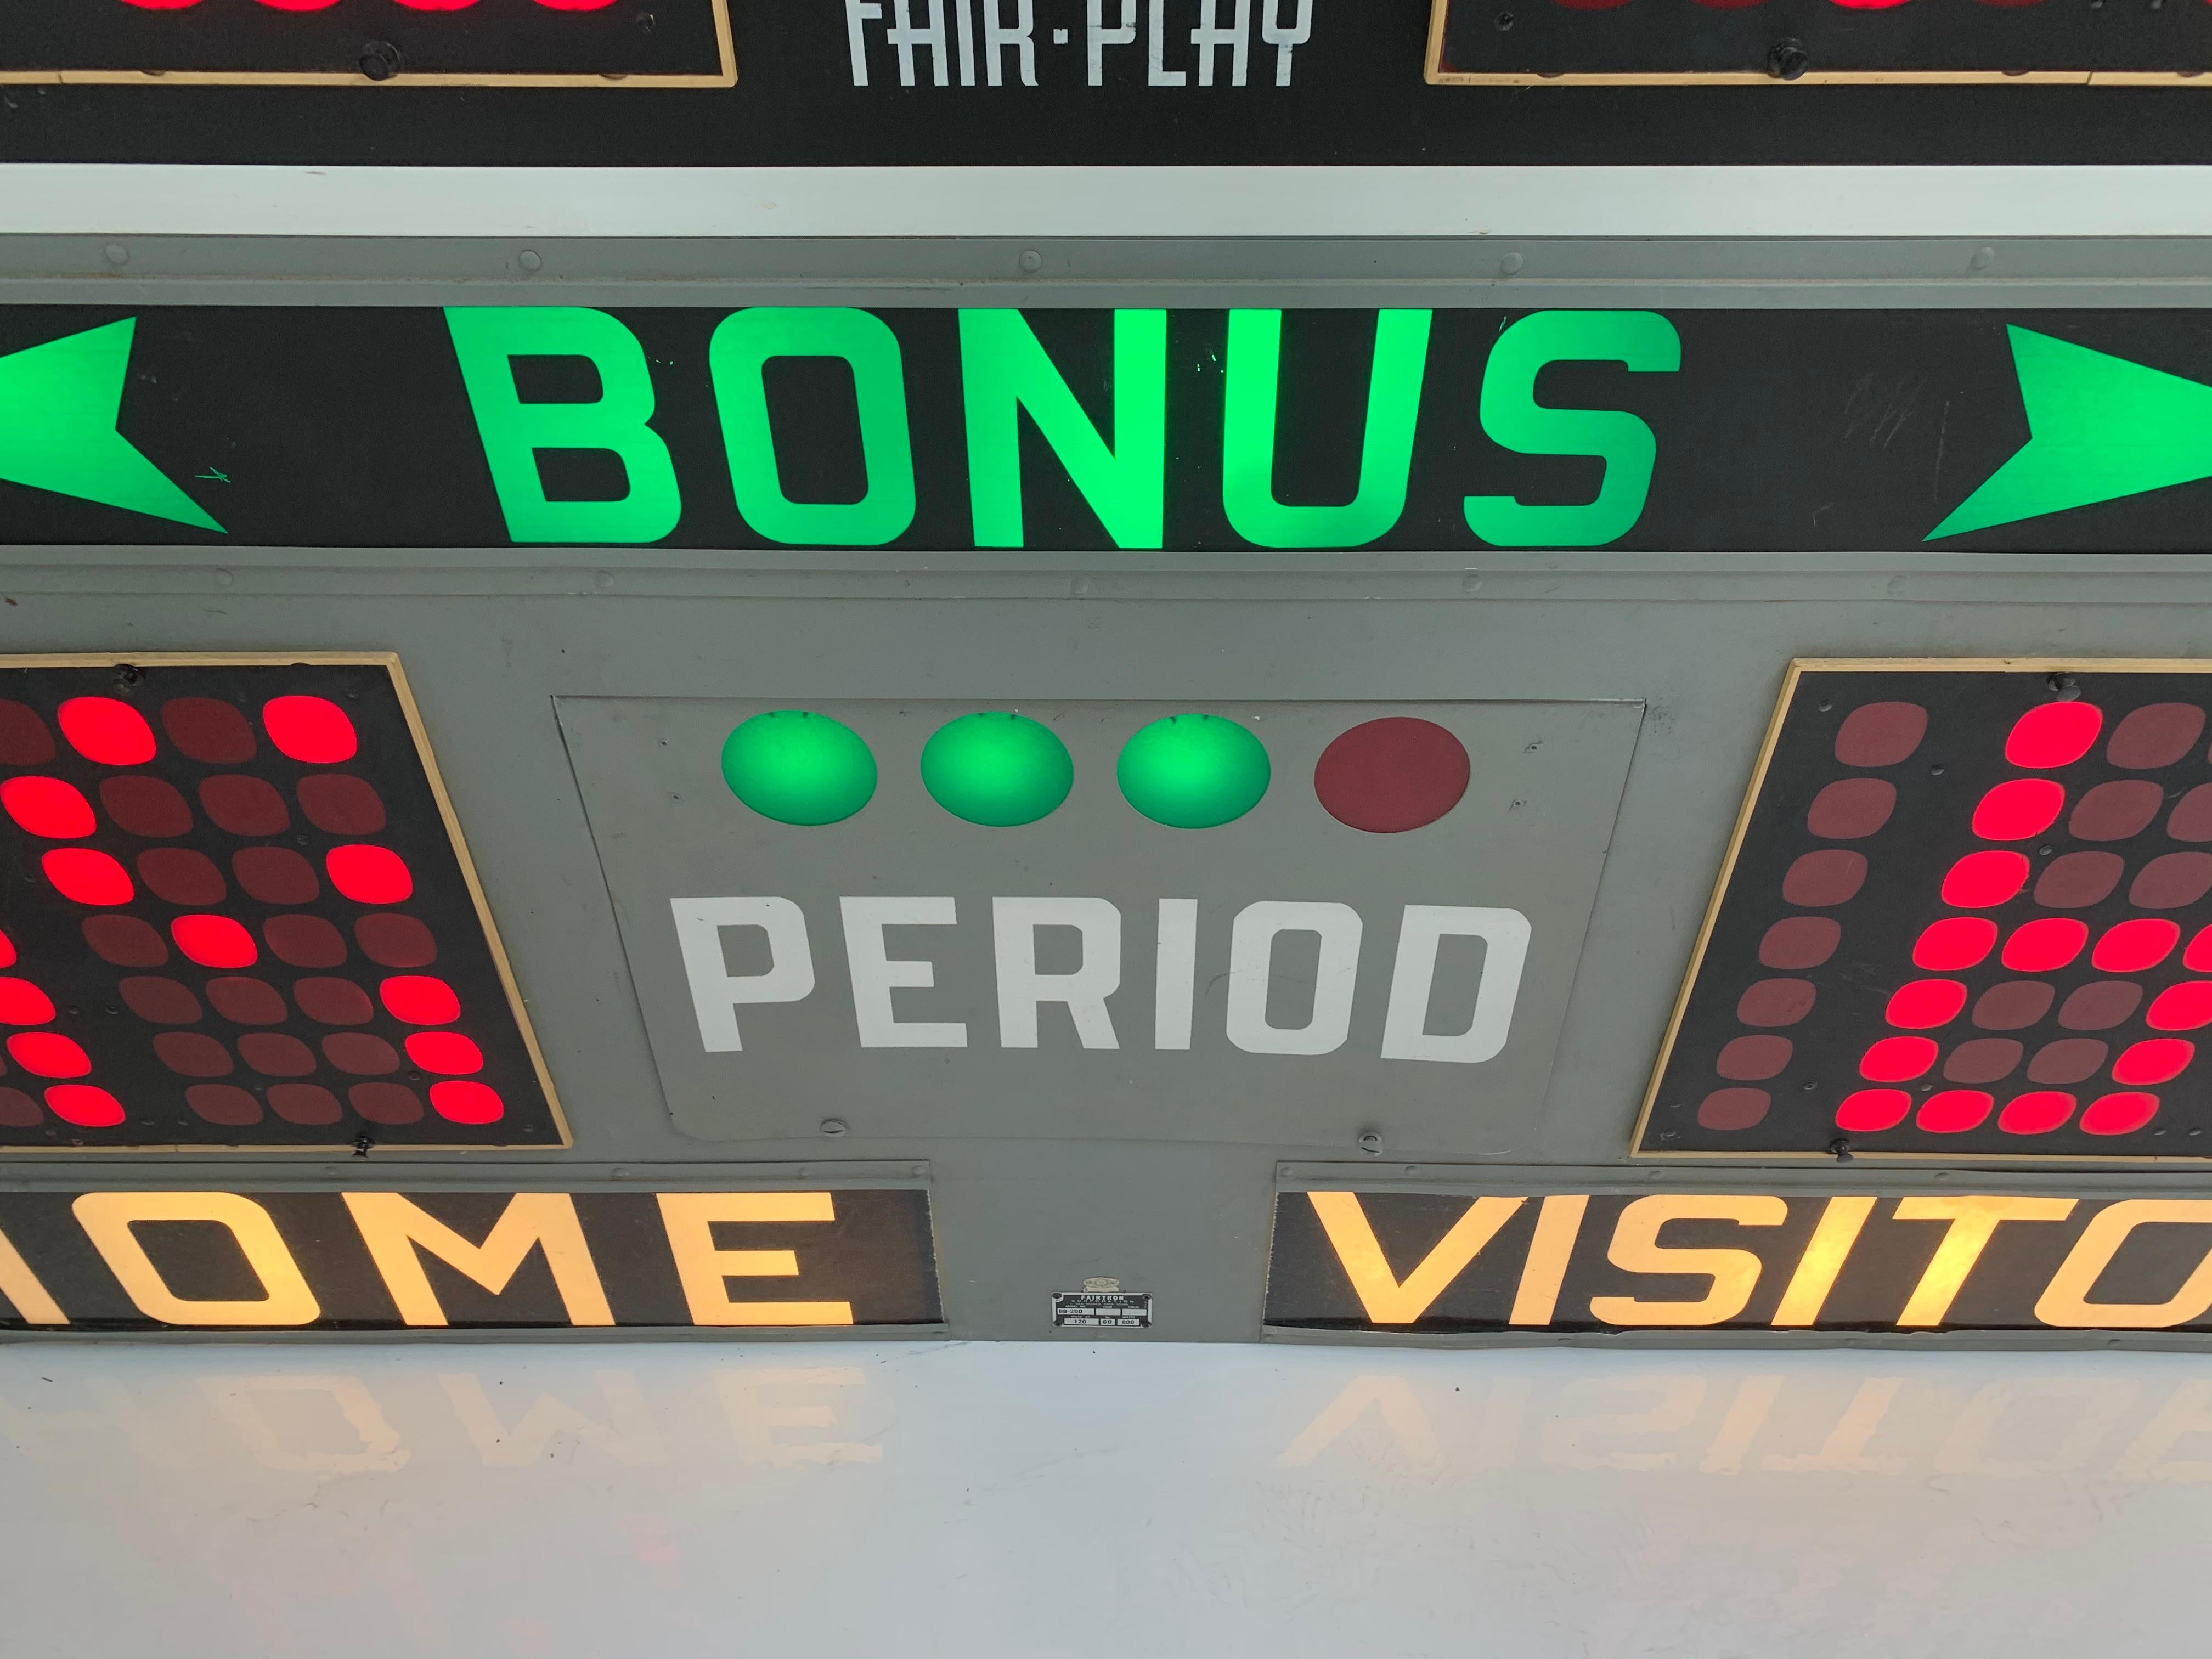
(2016, 962)
(241, 919)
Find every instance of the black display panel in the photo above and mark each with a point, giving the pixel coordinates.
(585, 43)
(1750, 1262)
(1966, 915)
(1855, 431)
(149, 1260)
(235, 910)
(1836, 42)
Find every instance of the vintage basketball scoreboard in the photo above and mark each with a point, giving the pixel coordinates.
(1575, 792)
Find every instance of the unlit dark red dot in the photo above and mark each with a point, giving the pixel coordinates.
(390, 1104)
(341, 804)
(85, 1106)
(2192, 814)
(2018, 808)
(1388, 776)
(1982, 1059)
(159, 1001)
(2073, 881)
(48, 1054)
(1851, 809)
(192, 1054)
(24, 738)
(245, 805)
(1769, 1002)
(304, 1103)
(1980, 880)
(179, 875)
(47, 808)
(2055, 734)
(2048, 942)
(245, 1001)
(1800, 942)
(274, 1055)
(333, 1001)
(2100, 1005)
(19, 1111)
(369, 874)
(474, 1103)
(145, 806)
(1867, 1111)
(2069, 1059)
(2129, 947)
(1953, 943)
(214, 941)
(2118, 1113)
(224, 1105)
(2036, 1113)
(2012, 1004)
(2172, 881)
(1832, 876)
(1925, 1003)
(1880, 733)
(125, 941)
(275, 875)
(86, 877)
(105, 731)
(2183, 1007)
(2118, 809)
(1955, 1111)
(304, 941)
(22, 1003)
(2156, 1060)
(2156, 735)
(420, 1000)
(359, 1054)
(1897, 1060)
(396, 941)
(312, 730)
(1723, 1109)
(209, 730)
(1742, 1060)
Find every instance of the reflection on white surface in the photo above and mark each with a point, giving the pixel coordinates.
(845, 1499)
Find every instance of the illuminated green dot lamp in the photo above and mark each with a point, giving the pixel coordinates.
(997, 770)
(1194, 771)
(797, 767)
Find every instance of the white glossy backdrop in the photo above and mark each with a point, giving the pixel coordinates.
(852, 1499)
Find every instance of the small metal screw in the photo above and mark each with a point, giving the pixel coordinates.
(1370, 1143)
(363, 1144)
(2063, 687)
(1031, 260)
(1510, 265)
(116, 254)
(128, 675)
(1787, 61)
(380, 60)
(532, 261)
(833, 1125)
(1935, 771)
(1840, 1149)
(1825, 707)
(1505, 21)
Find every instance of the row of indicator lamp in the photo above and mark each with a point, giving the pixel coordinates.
(1191, 771)
(312, 731)
(2050, 737)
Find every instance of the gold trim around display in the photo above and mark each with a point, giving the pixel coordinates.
(726, 74)
(1799, 667)
(388, 661)
(1437, 75)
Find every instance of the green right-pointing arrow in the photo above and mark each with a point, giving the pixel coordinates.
(58, 404)
(2099, 427)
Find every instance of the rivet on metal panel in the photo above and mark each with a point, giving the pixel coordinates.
(833, 1125)
(380, 60)
(1370, 1142)
(602, 579)
(224, 579)
(1031, 261)
(116, 254)
(1787, 61)
(1511, 265)
(1078, 585)
(918, 1170)
(1983, 259)
(532, 261)
(620, 1172)
(1470, 584)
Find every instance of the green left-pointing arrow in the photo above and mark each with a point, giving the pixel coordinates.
(59, 406)
(2098, 427)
